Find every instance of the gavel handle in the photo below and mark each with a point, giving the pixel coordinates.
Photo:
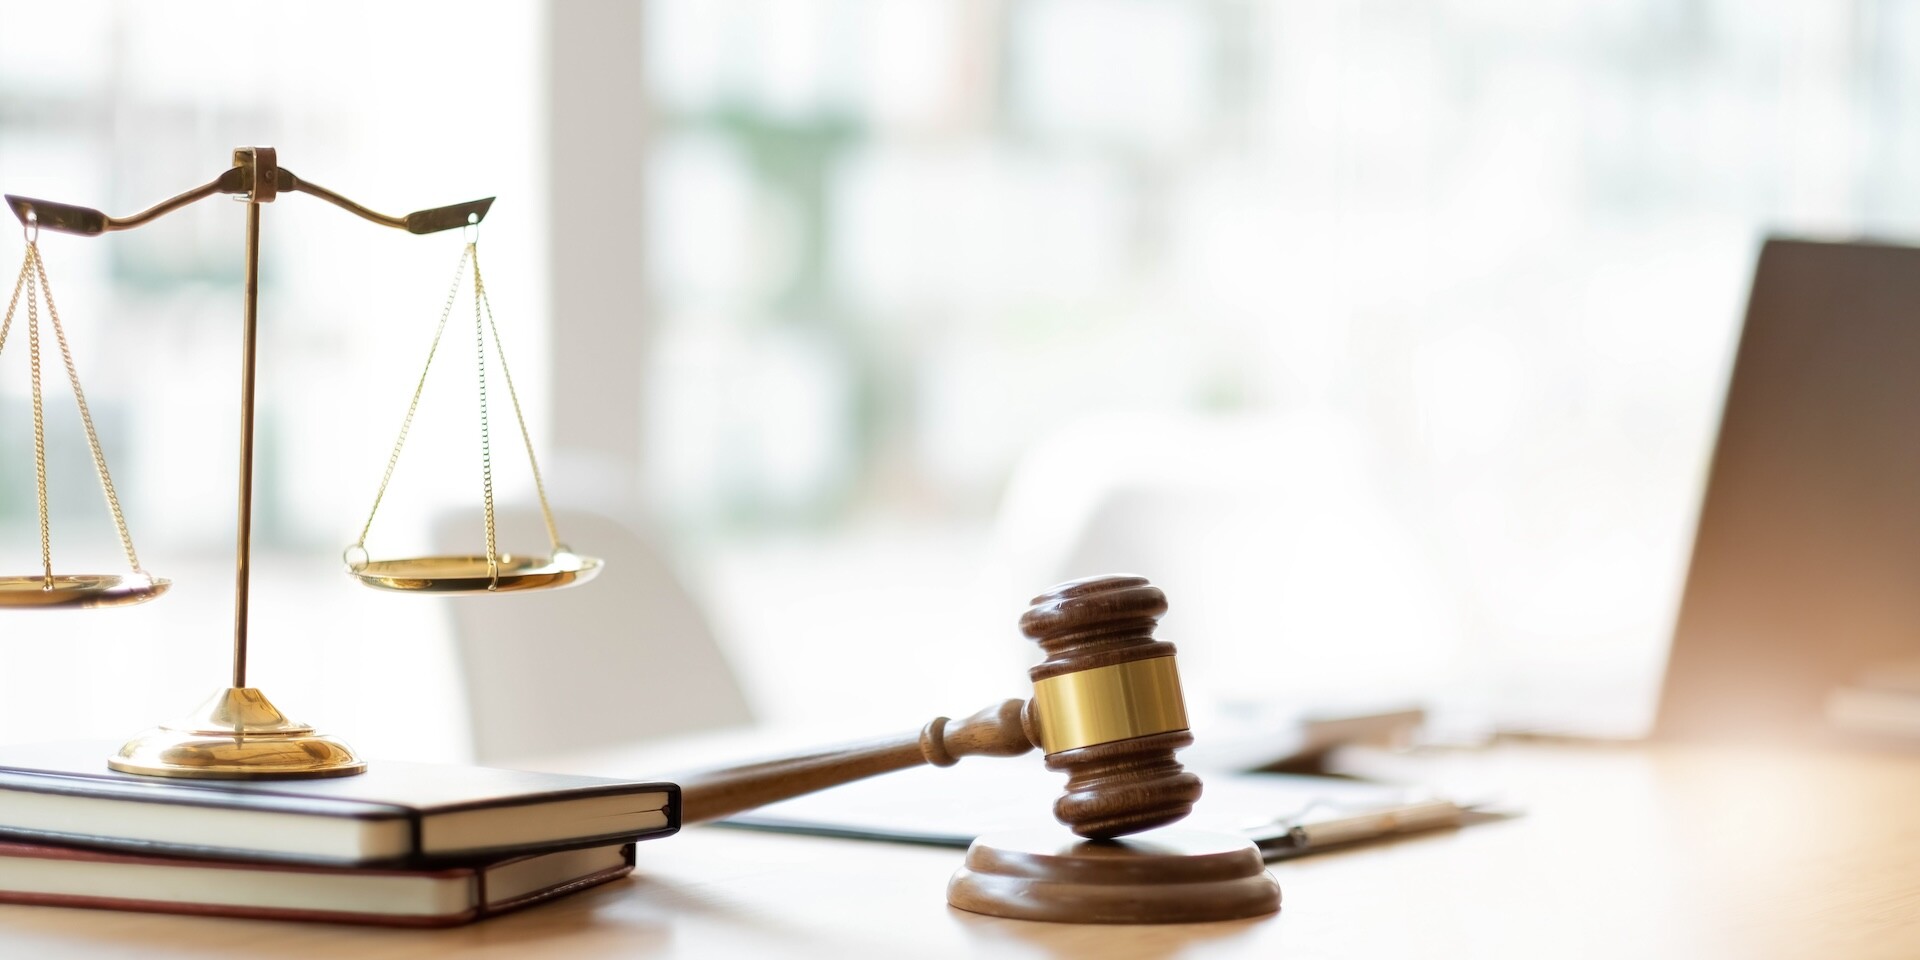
(996, 731)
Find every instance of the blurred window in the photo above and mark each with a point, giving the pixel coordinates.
(1495, 252)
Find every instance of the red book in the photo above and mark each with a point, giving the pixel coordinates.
(67, 877)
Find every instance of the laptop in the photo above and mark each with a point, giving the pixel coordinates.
(1805, 576)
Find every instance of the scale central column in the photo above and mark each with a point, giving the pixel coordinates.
(238, 733)
(243, 535)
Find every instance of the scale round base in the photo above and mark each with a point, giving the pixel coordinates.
(78, 591)
(471, 574)
(236, 735)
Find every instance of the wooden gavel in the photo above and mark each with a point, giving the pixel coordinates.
(1106, 710)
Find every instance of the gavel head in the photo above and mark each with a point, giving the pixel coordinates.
(1107, 708)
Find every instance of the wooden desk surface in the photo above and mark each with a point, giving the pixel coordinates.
(1625, 852)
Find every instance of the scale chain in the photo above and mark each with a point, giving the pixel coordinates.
(39, 430)
(33, 268)
(406, 423)
(486, 444)
(539, 485)
(483, 323)
(39, 426)
(7, 324)
(86, 419)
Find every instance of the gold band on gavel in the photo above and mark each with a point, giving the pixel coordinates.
(1104, 704)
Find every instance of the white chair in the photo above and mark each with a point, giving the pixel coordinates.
(626, 657)
(1288, 575)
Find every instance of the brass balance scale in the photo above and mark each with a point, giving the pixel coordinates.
(238, 733)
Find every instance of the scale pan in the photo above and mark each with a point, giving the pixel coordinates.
(469, 574)
(76, 591)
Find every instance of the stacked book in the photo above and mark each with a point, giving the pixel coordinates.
(402, 844)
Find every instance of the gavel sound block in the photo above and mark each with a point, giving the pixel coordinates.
(1108, 712)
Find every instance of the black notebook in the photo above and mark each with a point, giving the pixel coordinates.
(396, 813)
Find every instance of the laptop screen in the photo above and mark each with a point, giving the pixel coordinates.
(1805, 577)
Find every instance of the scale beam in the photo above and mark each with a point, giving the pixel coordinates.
(88, 222)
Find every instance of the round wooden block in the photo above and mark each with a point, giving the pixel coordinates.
(1161, 876)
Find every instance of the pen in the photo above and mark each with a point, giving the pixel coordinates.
(1293, 839)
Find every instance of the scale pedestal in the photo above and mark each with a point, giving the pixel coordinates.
(236, 734)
